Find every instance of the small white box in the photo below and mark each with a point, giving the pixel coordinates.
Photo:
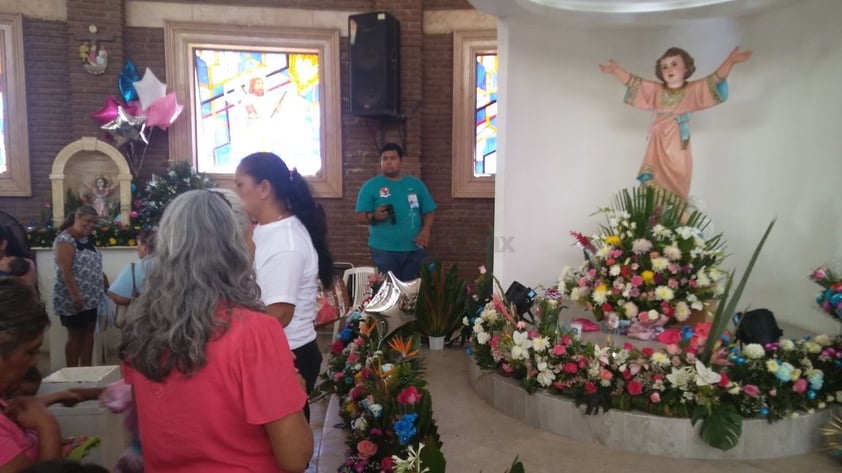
(80, 377)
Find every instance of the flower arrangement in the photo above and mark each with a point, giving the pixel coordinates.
(830, 299)
(650, 263)
(773, 381)
(383, 399)
(147, 209)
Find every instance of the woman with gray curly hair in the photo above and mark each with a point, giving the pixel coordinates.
(213, 377)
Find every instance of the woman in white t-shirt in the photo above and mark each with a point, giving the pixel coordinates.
(291, 252)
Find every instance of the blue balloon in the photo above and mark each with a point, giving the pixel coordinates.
(469, 351)
(764, 411)
(811, 394)
(134, 187)
(836, 299)
(125, 81)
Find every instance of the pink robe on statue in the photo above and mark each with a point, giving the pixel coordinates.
(668, 163)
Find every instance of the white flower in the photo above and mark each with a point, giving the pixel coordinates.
(787, 345)
(615, 270)
(661, 231)
(734, 390)
(822, 340)
(375, 410)
(466, 321)
(659, 264)
(672, 252)
(522, 339)
(813, 347)
(702, 279)
(641, 246)
(630, 309)
(546, 377)
(696, 305)
(478, 328)
(540, 344)
(483, 338)
(575, 294)
(679, 377)
(706, 376)
(663, 293)
(660, 358)
(603, 252)
(754, 351)
(653, 315)
(519, 352)
(687, 232)
(359, 424)
(682, 311)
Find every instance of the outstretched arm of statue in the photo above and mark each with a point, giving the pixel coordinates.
(735, 57)
(616, 70)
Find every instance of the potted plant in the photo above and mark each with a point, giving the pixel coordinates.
(441, 302)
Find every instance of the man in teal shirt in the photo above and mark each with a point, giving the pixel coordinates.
(399, 212)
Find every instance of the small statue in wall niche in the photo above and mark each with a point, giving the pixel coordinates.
(98, 195)
(668, 162)
(93, 54)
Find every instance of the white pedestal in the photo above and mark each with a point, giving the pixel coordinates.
(113, 261)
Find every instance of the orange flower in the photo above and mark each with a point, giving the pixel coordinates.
(402, 346)
(368, 327)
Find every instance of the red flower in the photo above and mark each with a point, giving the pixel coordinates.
(648, 351)
(634, 387)
(625, 271)
(590, 387)
(336, 347)
(571, 367)
(723, 381)
(607, 307)
(409, 395)
(627, 375)
(387, 464)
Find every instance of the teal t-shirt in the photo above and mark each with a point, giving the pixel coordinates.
(410, 198)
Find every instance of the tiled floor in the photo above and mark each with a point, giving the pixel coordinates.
(478, 438)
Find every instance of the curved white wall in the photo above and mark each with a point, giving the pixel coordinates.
(774, 149)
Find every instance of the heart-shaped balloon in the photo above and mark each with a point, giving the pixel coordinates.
(394, 304)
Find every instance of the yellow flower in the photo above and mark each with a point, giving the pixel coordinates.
(112, 241)
(132, 242)
(613, 240)
(648, 276)
(771, 366)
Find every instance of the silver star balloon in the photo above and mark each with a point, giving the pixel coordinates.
(126, 128)
(394, 304)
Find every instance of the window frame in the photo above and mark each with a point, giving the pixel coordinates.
(15, 182)
(181, 38)
(466, 45)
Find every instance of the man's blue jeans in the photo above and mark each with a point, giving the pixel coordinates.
(404, 264)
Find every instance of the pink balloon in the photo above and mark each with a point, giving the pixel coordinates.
(108, 112)
(163, 112)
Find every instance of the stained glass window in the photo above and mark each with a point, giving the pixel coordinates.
(249, 101)
(485, 147)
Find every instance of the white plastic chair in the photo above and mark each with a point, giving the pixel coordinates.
(356, 278)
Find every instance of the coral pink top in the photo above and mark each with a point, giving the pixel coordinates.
(213, 421)
(14, 440)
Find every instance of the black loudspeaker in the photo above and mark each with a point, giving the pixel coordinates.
(375, 64)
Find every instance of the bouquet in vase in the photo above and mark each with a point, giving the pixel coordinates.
(650, 263)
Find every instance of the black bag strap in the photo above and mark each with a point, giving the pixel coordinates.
(134, 284)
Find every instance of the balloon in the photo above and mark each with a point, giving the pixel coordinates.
(134, 108)
(163, 112)
(125, 81)
(126, 128)
(108, 111)
(394, 304)
(149, 89)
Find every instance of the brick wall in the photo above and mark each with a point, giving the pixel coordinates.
(59, 113)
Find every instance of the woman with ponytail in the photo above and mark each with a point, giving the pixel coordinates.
(291, 252)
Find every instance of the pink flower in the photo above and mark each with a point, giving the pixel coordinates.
(494, 341)
(482, 269)
(505, 367)
(387, 464)
(534, 334)
(773, 392)
(672, 283)
(655, 397)
(723, 380)
(605, 374)
(409, 396)
(571, 367)
(636, 281)
(635, 388)
(673, 349)
(590, 387)
(353, 357)
(566, 340)
(366, 448)
(751, 390)
(819, 274)
(521, 325)
(559, 350)
(800, 386)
